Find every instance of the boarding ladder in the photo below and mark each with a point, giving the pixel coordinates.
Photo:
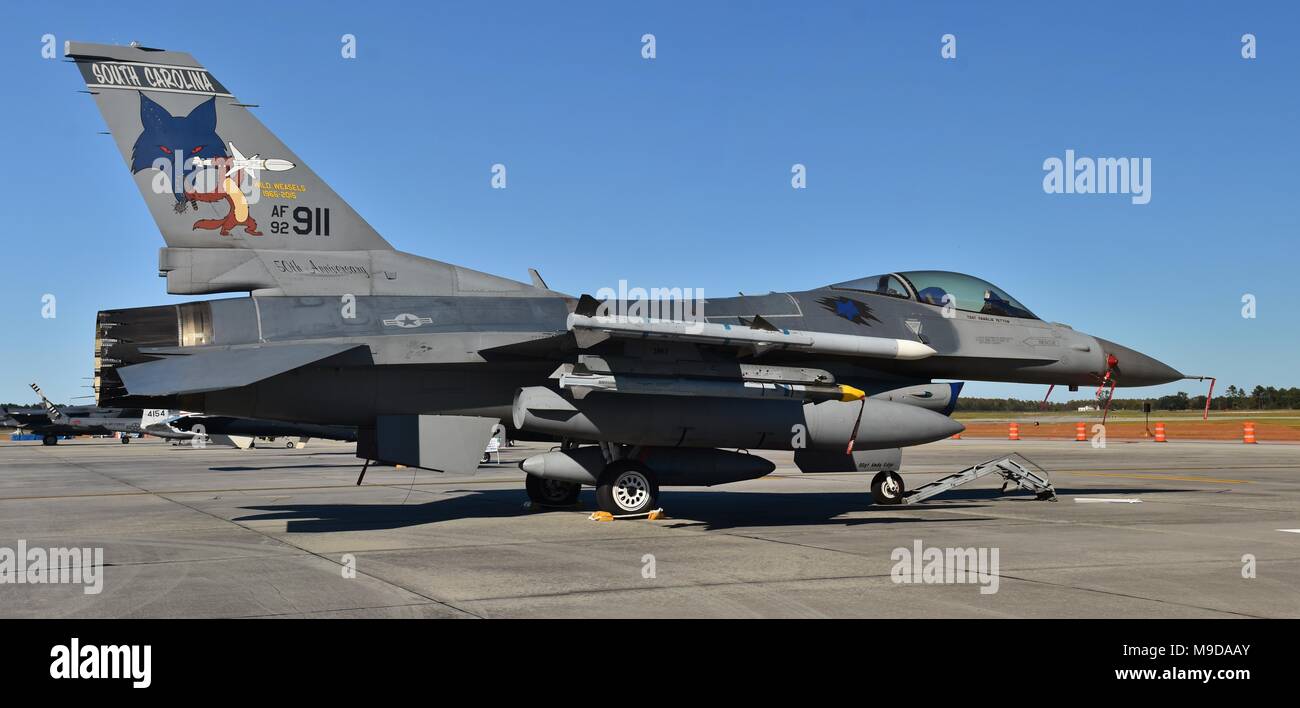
(1015, 470)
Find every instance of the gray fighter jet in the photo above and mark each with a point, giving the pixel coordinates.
(426, 358)
(53, 421)
(36, 421)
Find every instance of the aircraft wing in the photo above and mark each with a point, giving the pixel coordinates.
(7, 421)
(217, 369)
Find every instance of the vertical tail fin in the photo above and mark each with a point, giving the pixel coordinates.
(154, 416)
(211, 174)
(54, 412)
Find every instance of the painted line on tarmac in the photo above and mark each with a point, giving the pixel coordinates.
(230, 490)
(1171, 478)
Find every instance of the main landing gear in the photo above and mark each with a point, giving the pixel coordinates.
(552, 492)
(627, 487)
(624, 487)
(50, 440)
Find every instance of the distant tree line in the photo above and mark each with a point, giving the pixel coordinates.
(1232, 399)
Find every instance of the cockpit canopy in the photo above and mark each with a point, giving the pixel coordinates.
(964, 292)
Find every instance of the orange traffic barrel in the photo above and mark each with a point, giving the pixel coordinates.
(1160, 432)
(1248, 433)
(1013, 431)
(1080, 432)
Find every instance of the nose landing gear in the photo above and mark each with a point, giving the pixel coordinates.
(887, 488)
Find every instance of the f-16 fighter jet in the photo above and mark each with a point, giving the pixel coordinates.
(426, 358)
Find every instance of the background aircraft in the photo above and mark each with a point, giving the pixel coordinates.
(243, 432)
(426, 358)
(36, 421)
(54, 421)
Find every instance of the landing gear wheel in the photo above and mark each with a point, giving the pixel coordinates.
(887, 488)
(627, 487)
(125, 439)
(50, 440)
(290, 445)
(552, 492)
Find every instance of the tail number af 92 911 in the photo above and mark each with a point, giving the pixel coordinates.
(306, 221)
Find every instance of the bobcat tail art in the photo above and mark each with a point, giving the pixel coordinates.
(206, 165)
(186, 147)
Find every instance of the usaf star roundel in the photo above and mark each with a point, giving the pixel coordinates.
(850, 309)
(408, 321)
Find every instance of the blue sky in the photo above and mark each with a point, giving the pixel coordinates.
(676, 171)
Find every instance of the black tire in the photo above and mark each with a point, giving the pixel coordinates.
(289, 445)
(627, 487)
(50, 440)
(552, 492)
(126, 439)
(887, 488)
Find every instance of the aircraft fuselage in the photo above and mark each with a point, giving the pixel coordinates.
(468, 355)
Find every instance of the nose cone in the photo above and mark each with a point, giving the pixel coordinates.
(950, 428)
(534, 465)
(1137, 369)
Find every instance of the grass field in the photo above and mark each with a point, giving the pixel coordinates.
(1270, 426)
(1285, 417)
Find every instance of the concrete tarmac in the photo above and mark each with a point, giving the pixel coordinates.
(219, 532)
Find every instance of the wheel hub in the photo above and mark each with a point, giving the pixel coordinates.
(631, 490)
(555, 489)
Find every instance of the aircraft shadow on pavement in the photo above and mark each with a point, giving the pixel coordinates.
(1060, 492)
(278, 467)
(715, 510)
(324, 518)
(711, 510)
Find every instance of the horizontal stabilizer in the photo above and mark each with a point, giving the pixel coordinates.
(242, 442)
(219, 369)
(444, 443)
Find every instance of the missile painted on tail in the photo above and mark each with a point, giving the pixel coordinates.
(251, 165)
